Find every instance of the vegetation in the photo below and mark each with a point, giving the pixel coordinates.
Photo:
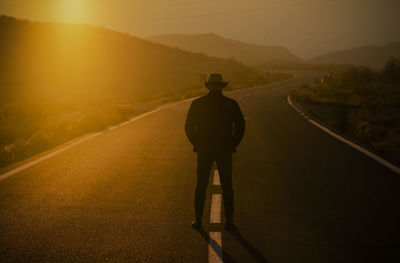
(361, 103)
(282, 65)
(370, 56)
(27, 129)
(59, 81)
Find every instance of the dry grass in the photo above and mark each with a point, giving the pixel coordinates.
(26, 130)
(360, 103)
(32, 127)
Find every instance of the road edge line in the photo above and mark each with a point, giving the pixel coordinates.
(27, 165)
(359, 148)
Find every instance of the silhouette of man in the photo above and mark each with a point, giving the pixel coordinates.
(215, 127)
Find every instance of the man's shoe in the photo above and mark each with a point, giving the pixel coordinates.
(196, 224)
(231, 227)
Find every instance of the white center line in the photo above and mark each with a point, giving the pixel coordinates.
(216, 180)
(215, 238)
(215, 247)
(215, 215)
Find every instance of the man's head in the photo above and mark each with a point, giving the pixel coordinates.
(215, 82)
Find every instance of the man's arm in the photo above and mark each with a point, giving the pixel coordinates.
(239, 125)
(191, 125)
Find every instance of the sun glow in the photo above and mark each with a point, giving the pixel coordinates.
(71, 11)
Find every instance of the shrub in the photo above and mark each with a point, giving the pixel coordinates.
(364, 103)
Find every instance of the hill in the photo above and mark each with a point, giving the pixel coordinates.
(370, 56)
(360, 103)
(59, 61)
(59, 81)
(216, 46)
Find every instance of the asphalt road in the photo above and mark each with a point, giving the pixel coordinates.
(127, 195)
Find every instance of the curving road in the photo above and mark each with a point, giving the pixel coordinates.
(126, 195)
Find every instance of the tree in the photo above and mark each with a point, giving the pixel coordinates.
(391, 73)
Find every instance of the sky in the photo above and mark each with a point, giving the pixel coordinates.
(307, 27)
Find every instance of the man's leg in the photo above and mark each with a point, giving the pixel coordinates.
(224, 164)
(204, 164)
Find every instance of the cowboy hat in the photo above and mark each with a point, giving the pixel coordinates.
(215, 79)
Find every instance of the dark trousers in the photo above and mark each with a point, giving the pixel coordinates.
(224, 165)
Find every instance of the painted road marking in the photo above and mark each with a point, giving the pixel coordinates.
(215, 215)
(215, 240)
(352, 144)
(245, 96)
(41, 159)
(63, 149)
(216, 180)
(215, 247)
(357, 147)
(56, 152)
(49, 155)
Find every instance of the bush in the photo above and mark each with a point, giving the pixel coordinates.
(364, 104)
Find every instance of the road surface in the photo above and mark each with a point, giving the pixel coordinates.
(127, 195)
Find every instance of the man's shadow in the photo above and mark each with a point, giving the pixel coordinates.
(257, 255)
(225, 257)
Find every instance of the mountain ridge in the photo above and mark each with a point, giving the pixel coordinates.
(374, 56)
(215, 45)
(72, 59)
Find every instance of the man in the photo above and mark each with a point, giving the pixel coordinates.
(215, 127)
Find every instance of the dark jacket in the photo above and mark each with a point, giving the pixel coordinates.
(214, 124)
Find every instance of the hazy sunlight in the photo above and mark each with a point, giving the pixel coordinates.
(71, 10)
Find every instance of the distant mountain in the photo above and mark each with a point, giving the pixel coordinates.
(371, 56)
(56, 60)
(216, 46)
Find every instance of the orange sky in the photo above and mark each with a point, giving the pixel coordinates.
(306, 27)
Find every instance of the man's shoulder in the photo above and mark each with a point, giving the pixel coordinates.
(206, 98)
(230, 101)
(200, 100)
